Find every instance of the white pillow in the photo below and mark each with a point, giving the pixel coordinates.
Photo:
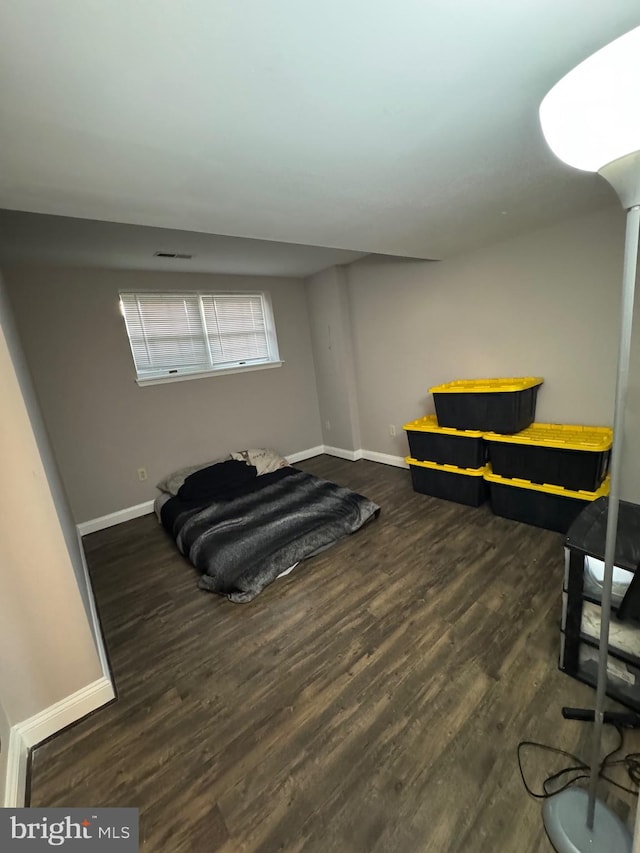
(265, 459)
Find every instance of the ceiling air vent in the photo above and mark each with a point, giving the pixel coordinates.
(179, 255)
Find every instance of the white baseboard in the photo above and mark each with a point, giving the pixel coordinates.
(24, 736)
(96, 627)
(384, 458)
(113, 518)
(16, 773)
(351, 455)
(41, 726)
(146, 508)
(292, 458)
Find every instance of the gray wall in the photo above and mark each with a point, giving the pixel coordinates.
(545, 304)
(46, 648)
(103, 427)
(61, 502)
(332, 338)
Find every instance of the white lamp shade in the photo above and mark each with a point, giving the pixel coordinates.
(592, 116)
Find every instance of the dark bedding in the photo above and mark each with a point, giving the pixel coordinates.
(241, 545)
(222, 481)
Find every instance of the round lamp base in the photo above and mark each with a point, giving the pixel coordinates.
(565, 820)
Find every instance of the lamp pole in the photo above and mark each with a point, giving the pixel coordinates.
(590, 123)
(622, 383)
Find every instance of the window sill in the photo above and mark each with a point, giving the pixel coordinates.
(205, 374)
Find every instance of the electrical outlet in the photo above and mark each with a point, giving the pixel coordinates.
(392, 430)
(328, 425)
(142, 474)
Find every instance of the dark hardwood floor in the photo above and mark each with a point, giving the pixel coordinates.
(370, 701)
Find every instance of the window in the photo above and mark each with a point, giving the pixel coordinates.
(184, 335)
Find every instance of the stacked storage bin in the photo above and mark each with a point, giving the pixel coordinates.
(497, 405)
(541, 474)
(547, 473)
(441, 463)
(447, 463)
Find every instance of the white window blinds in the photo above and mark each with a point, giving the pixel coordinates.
(236, 328)
(172, 334)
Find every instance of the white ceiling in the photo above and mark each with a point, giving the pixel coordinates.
(41, 238)
(406, 127)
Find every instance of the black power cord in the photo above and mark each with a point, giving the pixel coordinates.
(631, 762)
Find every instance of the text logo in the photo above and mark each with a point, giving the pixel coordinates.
(86, 830)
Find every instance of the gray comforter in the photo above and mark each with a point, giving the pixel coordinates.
(242, 545)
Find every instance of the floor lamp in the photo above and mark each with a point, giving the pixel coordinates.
(591, 120)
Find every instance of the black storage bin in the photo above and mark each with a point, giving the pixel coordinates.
(464, 486)
(492, 405)
(575, 457)
(428, 441)
(551, 507)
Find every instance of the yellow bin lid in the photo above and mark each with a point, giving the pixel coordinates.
(429, 423)
(450, 469)
(487, 386)
(549, 489)
(561, 436)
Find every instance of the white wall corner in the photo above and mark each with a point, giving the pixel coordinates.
(104, 521)
(16, 771)
(96, 627)
(292, 458)
(24, 736)
(384, 458)
(351, 455)
(69, 710)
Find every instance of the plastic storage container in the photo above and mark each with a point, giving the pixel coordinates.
(593, 582)
(624, 639)
(447, 446)
(462, 485)
(575, 457)
(493, 405)
(551, 507)
(582, 601)
(623, 678)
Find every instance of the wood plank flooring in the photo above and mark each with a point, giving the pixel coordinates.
(370, 701)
